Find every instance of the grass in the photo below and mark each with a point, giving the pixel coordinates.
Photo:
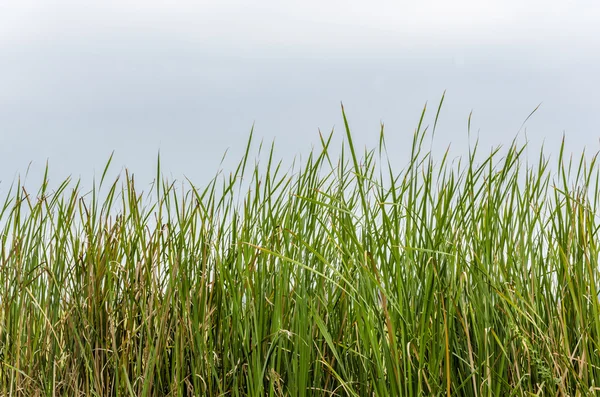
(338, 277)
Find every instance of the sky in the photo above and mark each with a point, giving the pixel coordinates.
(189, 79)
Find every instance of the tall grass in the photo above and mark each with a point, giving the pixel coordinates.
(337, 277)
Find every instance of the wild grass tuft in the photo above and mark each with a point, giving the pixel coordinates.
(338, 277)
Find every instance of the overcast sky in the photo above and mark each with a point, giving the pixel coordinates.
(79, 80)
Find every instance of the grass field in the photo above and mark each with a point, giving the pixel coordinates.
(339, 277)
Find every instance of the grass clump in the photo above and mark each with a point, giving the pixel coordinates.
(339, 277)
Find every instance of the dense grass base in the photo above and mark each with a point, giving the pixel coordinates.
(341, 277)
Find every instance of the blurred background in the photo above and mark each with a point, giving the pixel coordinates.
(79, 80)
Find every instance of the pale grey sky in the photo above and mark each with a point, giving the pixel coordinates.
(81, 79)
